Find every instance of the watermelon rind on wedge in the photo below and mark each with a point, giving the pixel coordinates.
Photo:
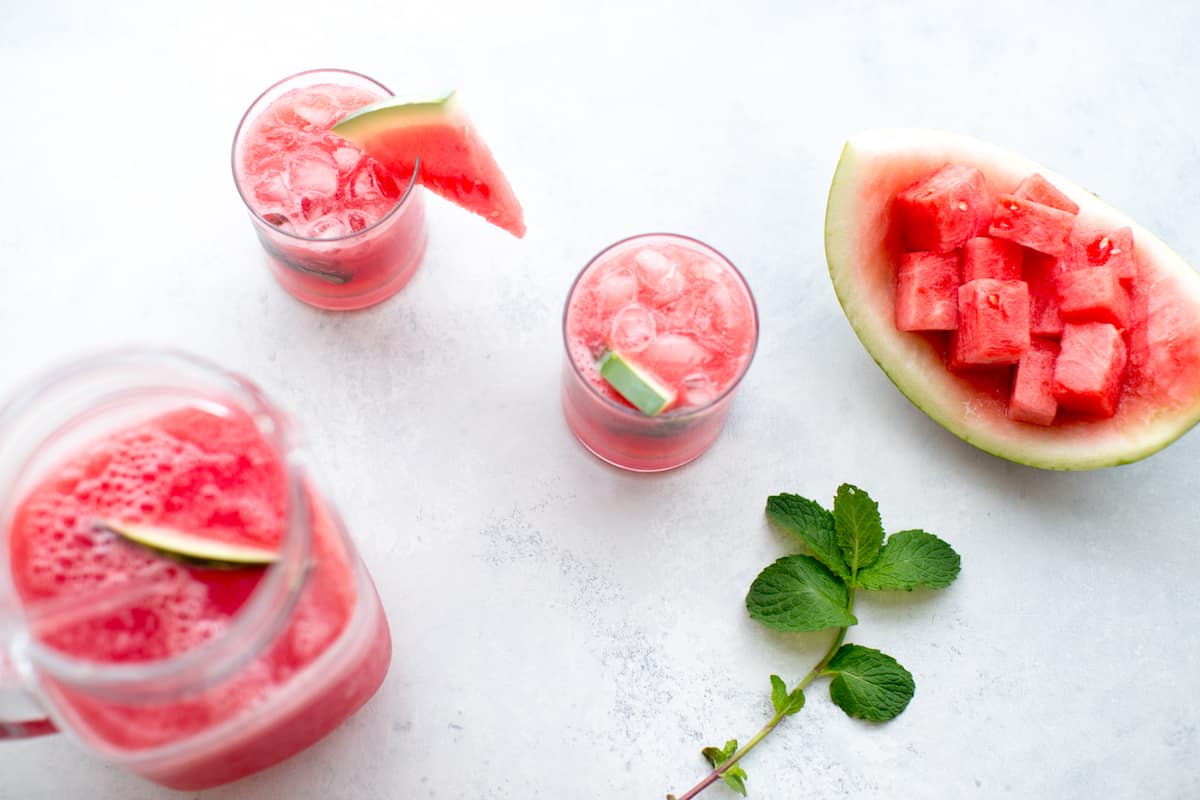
(1161, 396)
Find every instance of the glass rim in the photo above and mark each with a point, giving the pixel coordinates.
(246, 120)
(675, 413)
(260, 618)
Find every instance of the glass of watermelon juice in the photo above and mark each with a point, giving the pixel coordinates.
(185, 669)
(683, 317)
(340, 231)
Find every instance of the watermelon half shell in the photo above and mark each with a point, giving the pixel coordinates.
(1160, 400)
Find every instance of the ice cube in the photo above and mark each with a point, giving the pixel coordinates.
(271, 189)
(715, 312)
(659, 274)
(698, 390)
(363, 185)
(632, 329)
(346, 158)
(702, 268)
(319, 112)
(329, 226)
(677, 314)
(674, 355)
(312, 172)
(616, 288)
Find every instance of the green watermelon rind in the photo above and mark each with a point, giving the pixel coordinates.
(384, 113)
(875, 165)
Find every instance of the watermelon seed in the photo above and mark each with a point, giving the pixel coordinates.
(962, 206)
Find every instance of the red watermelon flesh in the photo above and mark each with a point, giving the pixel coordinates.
(1040, 190)
(927, 292)
(1033, 225)
(1094, 294)
(455, 162)
(1040, 272)
(940, 212)
(1033, 385)
(993, 321)
(1090, 365)
(984, 257)
(1112, 248)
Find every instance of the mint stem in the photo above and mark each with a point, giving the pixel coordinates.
(716, 774)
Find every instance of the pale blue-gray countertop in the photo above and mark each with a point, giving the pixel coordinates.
(565, 630)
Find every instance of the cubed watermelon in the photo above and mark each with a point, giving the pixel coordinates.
(1033, 387)
(1040, 190)
(941, 211)
(927, 292)
(1039, 271)
(1090, 365)
(984, 257)
(993, 321)
(1033, 225)
(1092, 295)
(1104, 248)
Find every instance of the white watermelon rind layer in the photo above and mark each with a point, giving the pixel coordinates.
(874, 166)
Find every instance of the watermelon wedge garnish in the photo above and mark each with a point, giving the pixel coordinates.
(455, 161)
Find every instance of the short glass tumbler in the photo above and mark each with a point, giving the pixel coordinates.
(681, 312)
(332, 255)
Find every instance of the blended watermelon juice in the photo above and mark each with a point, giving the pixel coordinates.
(190, 674)
(340, 231)
(680, 312)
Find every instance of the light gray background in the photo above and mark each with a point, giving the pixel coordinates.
(563, 629)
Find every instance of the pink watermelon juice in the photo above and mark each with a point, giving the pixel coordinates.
(284, 653)
(341, 230)
(681, 313)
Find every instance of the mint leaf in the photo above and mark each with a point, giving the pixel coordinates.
(868, 684)
(785, 704)
(859, 529)
(779, 692)
(812, 524)
(717, 755)
(735, 778)
(910, 559)
(798, 593)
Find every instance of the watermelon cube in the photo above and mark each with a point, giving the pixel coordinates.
(1101, 248)
(984, 257)
(1094, 294)
(954, 354)
(1033, 387)
(993, 321)
(927, 292)
(1040, 190)
(1033, 225)
(941, 211)
(1040, 271)
(1090, 365)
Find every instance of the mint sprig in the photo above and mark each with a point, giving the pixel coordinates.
(848, 551)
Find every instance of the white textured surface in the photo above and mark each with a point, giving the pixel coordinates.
(565, 630)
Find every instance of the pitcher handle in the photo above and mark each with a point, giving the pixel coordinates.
(20, 715)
